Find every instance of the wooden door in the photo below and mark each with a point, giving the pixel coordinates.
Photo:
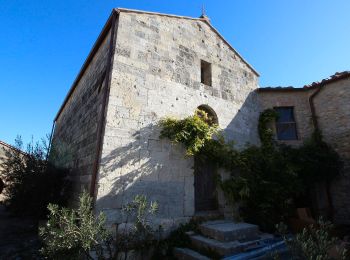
(204, 186)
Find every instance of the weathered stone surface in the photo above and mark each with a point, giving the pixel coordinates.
(188, 254)
(227, 248)
(302, 112)
(75, 135)
(332, 106)
(221, 248)
(224, 230)
(156, 73)
(332, 109)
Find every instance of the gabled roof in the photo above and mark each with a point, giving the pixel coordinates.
(105, 30)
(335, 77)
(202, 19)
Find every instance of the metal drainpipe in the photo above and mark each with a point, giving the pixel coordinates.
(316, 127)
(100, 127)
(312, 107)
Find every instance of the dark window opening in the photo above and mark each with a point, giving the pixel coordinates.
(285, 125)
(205, 73)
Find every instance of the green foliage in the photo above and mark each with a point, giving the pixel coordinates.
(193, 131)
(266, 133)
(74, 233)
(177, 238)
(79, 234)
(265, 186)
(313, 243)
(31, 181)
(141, 209)
(266, 180)
(220, 152)
(316, 161)
(142, 235)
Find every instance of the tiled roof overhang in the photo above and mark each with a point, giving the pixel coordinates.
(337, 76)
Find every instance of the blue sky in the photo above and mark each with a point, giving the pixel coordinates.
(44, 44)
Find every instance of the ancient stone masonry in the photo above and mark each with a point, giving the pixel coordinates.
(331, 103)
(76, 125)
(299, 100)
(156, 73)
(159, 64)
(332, 106)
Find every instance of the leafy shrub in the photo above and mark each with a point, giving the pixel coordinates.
(177, 238)
(265, 186)
(313, 243)
(316, 161)
(78, 234)
(31, 181)
(266, 133)
(75, 234)
(142, 235)
(193, 131)
(267, 180)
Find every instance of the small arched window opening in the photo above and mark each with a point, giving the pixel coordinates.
(212, 117)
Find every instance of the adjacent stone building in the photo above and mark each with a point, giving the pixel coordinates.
(146, 66)
(324, 105)
(4, 150)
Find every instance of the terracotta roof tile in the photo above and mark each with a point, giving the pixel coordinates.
(330, 79)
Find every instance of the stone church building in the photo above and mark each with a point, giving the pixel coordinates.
(146, 66)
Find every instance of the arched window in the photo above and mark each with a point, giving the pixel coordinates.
(212, 117)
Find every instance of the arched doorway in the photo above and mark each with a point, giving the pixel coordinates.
(204, 175)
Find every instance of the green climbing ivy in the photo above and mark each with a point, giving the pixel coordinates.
(266, 181)
(193, 131)
(265, 132)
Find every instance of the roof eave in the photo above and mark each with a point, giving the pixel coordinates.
(87, 61)
(334, 78)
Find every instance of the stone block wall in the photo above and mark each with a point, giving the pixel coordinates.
(302, 112)
(4, 150)
(75, 135)
(332, 109)
(332, 106)
(156, 73)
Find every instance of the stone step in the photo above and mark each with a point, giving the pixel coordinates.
(228, 248)
(225, 230)
(188, 254)
(207, 215)
(202, 243)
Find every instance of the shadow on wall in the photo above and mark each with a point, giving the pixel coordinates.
(144, 164)
(147, 165)
(243, 128)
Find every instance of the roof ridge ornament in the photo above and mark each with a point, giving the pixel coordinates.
(204, 15)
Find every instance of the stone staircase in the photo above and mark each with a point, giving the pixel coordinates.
(221, 238)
